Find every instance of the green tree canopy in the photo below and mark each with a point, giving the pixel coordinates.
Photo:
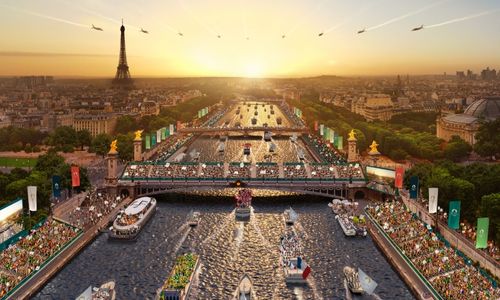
(488, 139)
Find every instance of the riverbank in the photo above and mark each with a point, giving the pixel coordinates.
(32, 286)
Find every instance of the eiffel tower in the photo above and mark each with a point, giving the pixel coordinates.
(122, 77)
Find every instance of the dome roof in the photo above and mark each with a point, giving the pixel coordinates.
(487, 108)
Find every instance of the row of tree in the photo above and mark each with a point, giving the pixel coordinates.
(475, 185)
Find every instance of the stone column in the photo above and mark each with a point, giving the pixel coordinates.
(112, 160)
(137, 149)
(352, 155)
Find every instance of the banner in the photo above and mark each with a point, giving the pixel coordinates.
(75, 176)
(327, 133)
(483, 225)
(414, 187)
(153, 139)
(56, 186)
(332, 136)
(171, 129)
(32, 197)
(148, 141)
(163, 133)
(398, 181)
(454, 215)
(199, 114)
(340, 143)
(315, 126)
(321, 129)
(158, 136)
(433, 200)
(167, 132)
(369, 285)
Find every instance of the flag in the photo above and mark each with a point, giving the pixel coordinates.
(171, 128)
(398, 180)
(148, 141)
(75, 176)
(163, 133)
(454, 215)
(482, 232)
(327, 133)
(433, 200)
(340, 143)
(321, 129)
(153, 139)
(315, 126)
(32, 197)
(56, 186)
(413, 187)
(167, 132)
(306, 272)
(332, 136)
(199, 114)
(367, 284)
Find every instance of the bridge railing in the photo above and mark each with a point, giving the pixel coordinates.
(244, 179)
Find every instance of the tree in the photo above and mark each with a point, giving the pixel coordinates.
(488, 139)
(83, 138)
(125, 146)
(63, 137)
(490, 207)
(457, 149)
(100, 144)
(125, 124)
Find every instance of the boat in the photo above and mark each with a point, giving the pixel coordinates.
(178, 284)
(105, 292)
(243, 205)
(301, 154)
(295, 268)
(346, 225)
(352, 278)
(254, 121)
(272, 112)
(221, 147)
(272, 147)
(129, 222)
(278, 121)
(267, 136)
(256, 113)
(246, 149)
(193, 218)
(290, 216)
(245, 289)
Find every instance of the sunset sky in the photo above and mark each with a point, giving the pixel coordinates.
(53, 37)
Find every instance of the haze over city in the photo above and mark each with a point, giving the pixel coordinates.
(257, 38)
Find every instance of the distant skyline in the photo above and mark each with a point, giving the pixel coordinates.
(54, 37)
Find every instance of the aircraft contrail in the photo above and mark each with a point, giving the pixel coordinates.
(349, 18)
(46, 16)
(191, 14)
(406, 15)
(484, 13)
(304, 19)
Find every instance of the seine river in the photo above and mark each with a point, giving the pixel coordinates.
(228, 249)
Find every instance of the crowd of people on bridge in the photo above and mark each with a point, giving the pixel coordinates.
(29, 253)
(171, 145)
(326, 152)
(450, 273)
(94, 207)
(323, 171)
(295, 171)
(239, 170)
(212, 170)
(267, 170)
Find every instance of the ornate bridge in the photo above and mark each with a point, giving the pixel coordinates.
(156, 186)
(242, 129)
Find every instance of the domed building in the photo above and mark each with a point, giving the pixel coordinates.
(467, 124)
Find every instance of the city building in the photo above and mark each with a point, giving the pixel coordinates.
(467, 124)
(374, 107)
(95, 123)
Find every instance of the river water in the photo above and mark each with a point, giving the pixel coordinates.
(228, 249)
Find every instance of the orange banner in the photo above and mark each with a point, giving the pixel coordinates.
(75, 176)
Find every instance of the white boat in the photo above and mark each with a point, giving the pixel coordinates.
(301, 154)
(346, 225)
(293, 138)
(272, 147)
(221, 147)
(242, 213)
(129, 222)
(193, 218)
(295, 268)
(105, 292)
(290, 216)
(245, 289)
(267, 136)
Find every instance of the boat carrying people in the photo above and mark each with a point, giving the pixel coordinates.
(358, 281)
(129, 222)
(245, 289)
(243, 204)
(193, 218)
(105, 292)
(290, 216)
(295, 268)
(178, 284)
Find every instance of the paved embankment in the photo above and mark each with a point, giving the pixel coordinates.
(36, 282)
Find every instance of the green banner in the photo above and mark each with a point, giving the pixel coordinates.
(167, 131)
(148, 141)
(163, 133)
(340, 143)
(482, 232)
(454, 215)
(153, 139)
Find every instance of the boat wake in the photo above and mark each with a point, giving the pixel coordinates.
(225, 223)
(181, 241)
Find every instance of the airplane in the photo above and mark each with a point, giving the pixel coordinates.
(96, 28)
(180, 33)
(219, 36)
(321, 34)
(283, 36)
(361, 31)
(248, 38)
(144, 31)
(418, 28)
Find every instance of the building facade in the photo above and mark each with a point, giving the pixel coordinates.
(95, 123)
